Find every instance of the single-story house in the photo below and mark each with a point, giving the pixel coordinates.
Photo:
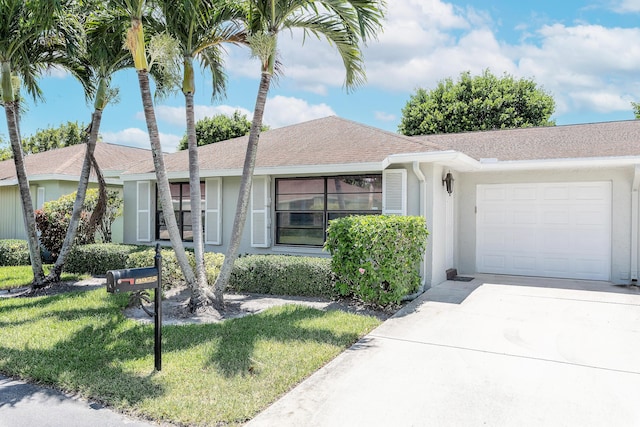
(553, 202)
(55, 173)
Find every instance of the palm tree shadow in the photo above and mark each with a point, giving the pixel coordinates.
(234, 355)
(92, 359)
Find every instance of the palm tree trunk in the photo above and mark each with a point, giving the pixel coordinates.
(200, 296)
(83, 183)
(11, 111)
(164, 192)
(245, 191)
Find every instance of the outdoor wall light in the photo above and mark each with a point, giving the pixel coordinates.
(447, 182)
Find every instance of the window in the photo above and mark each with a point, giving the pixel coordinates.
(304, 206)
(182, 207)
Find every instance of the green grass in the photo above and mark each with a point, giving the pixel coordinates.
(212, 374)
(22, 275)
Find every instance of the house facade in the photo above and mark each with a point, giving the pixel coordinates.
(55, 173)
(550, 202)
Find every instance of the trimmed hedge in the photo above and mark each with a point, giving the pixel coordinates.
(97, 258)
(14, 252)
(376, 257)
(283, 275)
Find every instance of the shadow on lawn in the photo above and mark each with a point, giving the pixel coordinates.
(88, 361)
(234, 355)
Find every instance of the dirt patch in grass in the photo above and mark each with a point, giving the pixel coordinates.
(176, 312)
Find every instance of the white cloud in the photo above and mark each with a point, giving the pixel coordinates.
(177, 116)
(626, 6)
(425, 41)
(283, 111)
(57, 72)
(280, 111)
(135, 137)
(385, 117)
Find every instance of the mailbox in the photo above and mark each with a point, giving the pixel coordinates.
(136, 280)
(132, 279)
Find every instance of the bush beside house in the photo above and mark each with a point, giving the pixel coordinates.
(283, 275)
(376, 257)
(14, 252)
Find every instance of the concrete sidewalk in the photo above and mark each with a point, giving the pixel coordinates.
(497, 351)
(27, 405)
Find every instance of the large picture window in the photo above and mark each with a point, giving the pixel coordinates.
(181, 201)
(304, 206)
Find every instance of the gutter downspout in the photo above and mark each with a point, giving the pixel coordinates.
(634, 224)
(423, 212)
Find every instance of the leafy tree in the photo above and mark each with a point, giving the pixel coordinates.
(34, 35)
(474, 103)
(55, 217)
(199, 27)
(220, 128)
(5, 150)
(636, 109)
(64, 135)
(345, 24)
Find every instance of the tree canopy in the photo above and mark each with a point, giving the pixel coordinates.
(65, 135)
(220, 128)
(472, 103)
(636, 109)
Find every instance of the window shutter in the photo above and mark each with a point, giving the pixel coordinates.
(143, 220)
(394, 192)
(213, 213)
(260, 206)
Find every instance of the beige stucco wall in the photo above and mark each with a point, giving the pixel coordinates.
(621, 179)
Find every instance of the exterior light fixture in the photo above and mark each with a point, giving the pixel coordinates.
(447, 182)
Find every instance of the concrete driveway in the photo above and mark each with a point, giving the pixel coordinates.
(497, 351)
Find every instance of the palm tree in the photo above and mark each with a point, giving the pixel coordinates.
(137, 11)
(345, 24)
(33, 36)
(104, 56)
(200, 27)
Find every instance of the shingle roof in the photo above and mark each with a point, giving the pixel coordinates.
(67, 161)
(608, 139)
(326, 141)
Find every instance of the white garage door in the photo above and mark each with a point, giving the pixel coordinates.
(545, 229)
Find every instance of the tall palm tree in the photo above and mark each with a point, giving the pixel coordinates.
(345, 24)
(104, 56)
(137, 11)
(33, 36)
(200, 27)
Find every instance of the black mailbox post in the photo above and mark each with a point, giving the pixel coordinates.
(138, 280)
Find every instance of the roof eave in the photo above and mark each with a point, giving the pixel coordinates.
(545, 164)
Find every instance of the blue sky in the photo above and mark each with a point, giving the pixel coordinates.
(585, 53)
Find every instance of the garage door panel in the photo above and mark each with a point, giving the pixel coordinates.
(556, 192)
(545, 229)
(521, 193)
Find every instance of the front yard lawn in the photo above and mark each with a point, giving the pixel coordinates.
(22, 275)
(212, 374)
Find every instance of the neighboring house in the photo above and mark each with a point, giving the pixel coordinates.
(554, 202)
(55, 173)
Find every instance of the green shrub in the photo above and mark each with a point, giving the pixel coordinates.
(54, 217)
(283, 275)
(376, 257)
(97, 258)
(171, 272)
(14, 252)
